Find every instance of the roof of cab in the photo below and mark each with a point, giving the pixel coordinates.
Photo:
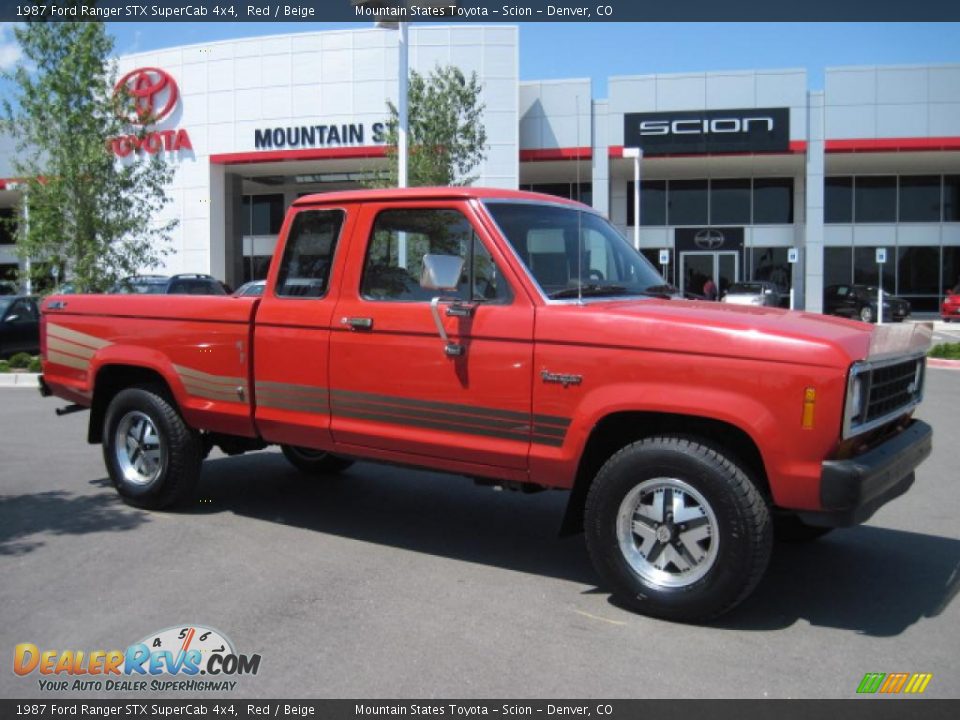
(429, 193)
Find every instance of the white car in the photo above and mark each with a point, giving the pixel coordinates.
(752, 293)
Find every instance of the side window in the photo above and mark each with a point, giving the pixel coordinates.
(25, 311)
(308, 255)
(400, 239)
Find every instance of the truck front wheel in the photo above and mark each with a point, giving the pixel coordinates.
(152, 456)
(676, 529)
(314, 462)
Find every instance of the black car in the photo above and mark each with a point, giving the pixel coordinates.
(860, 303)
(184, 284)
(19, 325)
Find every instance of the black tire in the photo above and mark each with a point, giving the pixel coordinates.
(791, 529)
(179, 450)
(315, 462)
(733, 557)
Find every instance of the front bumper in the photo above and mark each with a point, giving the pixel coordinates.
(853, 490)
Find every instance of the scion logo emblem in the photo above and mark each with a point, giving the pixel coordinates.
(154, 93)
(708, 239)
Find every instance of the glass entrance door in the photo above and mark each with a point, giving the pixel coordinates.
(697, 267)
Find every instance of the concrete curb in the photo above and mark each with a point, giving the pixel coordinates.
(943, 363)
(19, 379)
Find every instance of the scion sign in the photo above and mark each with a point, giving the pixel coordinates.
(708, 131)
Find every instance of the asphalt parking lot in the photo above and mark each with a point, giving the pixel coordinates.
(392, 583)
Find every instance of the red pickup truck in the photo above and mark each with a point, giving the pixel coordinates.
(517, 339)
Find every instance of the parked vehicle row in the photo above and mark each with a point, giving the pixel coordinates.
(950, 310)
(859, 302)
(19, 325)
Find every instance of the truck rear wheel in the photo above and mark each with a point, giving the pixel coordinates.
(676, 529)
(314, 462)
(152, 456)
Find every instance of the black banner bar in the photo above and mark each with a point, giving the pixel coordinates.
(487, 11)
(856, 709)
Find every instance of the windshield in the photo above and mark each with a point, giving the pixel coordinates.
(547, 239)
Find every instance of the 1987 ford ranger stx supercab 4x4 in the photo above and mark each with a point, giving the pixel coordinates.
(515, 338)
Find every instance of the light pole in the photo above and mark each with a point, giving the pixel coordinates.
(403, 81)
(637, 154)
(28, 284)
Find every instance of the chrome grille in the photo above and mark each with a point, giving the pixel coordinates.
(888, 389)
(892, 387)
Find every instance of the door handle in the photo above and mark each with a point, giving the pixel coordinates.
(357, 323)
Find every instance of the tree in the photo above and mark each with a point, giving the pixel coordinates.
(88, 212)
(445, 136)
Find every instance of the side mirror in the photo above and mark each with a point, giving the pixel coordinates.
(442, 273)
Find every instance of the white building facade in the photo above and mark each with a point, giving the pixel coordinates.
(742, 172)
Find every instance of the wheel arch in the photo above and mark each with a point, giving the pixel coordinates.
(110, 380)
(618, 429)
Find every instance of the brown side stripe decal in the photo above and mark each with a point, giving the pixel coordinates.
(468, 419)
(71, 348)
(287, 396)
(224, 388)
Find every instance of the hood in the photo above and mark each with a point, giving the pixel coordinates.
(729, 330)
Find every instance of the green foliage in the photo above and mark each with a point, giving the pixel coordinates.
(20, 361)
(951, 351)
(90, 215)
(34, 365)
(446, 139)
(4, 366)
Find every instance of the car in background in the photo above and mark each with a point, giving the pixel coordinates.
(19, 325)
(7, 288)
(760, 292)
(254, 288)
(183, 284)
(950, 310)
(859, 302)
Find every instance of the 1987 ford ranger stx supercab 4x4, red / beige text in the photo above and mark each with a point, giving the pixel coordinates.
(514, 338)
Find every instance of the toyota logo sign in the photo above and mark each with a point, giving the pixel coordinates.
(709, 239)
(154, 93)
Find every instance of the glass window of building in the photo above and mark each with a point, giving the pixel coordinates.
(773, 201)
(920, 198)
(770, 264)
(917, 277)
(572, 191)
(875, 199)
(951, 198)
(866, 270)
(262, 214)
(917, 270)
(730, 202)
(837, 266)
(653, 202)
(687, 202)
(838, 200)
(6, 231)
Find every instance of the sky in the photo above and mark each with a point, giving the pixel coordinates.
(600, 50)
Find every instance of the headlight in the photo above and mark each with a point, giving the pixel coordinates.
(856, 398)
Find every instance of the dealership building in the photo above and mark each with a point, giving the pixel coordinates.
(747, 175)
